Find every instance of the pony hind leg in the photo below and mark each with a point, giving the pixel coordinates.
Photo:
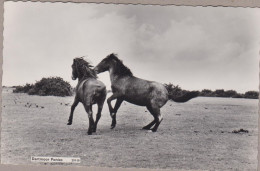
(98, 116)
(148, 127)
(88, 109)
(157, 119)
(74, 105)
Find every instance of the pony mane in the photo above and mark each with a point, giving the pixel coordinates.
(120, 68)
(85, 68)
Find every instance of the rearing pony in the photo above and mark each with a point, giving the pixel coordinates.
(137, 91)
(89, 91)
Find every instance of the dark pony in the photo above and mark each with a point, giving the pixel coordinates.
(125, 86)
(89, 91)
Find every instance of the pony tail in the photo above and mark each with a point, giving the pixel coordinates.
(184, 98)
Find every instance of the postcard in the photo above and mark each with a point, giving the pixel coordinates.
(130, 86)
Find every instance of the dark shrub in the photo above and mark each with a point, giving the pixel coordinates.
(251, 95)
(238, 96)
(230, 93)
(52, 86)
(219, 93)
(174, 91)
(206, 93)
(23, 89)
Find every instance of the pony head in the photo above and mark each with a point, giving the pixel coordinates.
(112, 61)
(105, 64)
(82, 68)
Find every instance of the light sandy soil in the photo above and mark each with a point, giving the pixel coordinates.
(193, 135)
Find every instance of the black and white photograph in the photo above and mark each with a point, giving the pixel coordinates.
(130, 86)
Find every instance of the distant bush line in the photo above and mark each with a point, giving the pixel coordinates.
(175, 91)
(52, 86)
(56, 86)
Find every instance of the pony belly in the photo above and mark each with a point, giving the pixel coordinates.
(137, 101)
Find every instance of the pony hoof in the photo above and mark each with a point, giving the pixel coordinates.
(112, 127)
(112, 115)
(146, 128)
(69, 123)
(89, 133)
(153, 130)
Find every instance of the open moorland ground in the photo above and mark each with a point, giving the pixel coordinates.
(193, 135)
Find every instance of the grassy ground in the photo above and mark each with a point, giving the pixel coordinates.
(193, 135)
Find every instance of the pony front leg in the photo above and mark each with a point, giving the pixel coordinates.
(117, 105)
(109, 104)
(74, 105)
(113, 111)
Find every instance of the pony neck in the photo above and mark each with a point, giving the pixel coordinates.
(82, 78)
(118, 70)
(112, 74)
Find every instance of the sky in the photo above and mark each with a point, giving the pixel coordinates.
(193, 47)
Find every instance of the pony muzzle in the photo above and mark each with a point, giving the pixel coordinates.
(96, 70)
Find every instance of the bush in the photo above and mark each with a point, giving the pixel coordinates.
(52, 86)
(175, 91)
(238, 96)
(219, 93)
(23, 89)
(231, 93)
(251, 95)
(207, 93)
